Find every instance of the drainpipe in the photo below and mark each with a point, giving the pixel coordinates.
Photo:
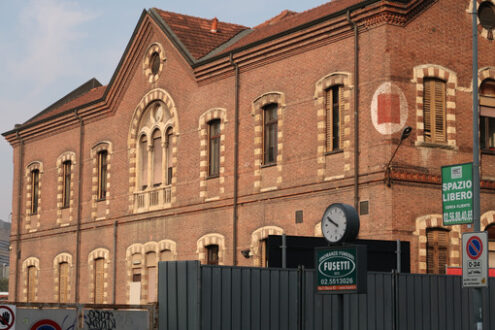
(19, 199)
(78, 216)
(236, 160)
(356, 110)
(114, 293)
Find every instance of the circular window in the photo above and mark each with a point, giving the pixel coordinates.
(155, 63)
(486, 14)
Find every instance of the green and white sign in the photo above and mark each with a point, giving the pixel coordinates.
(341, 269)
(457, 194)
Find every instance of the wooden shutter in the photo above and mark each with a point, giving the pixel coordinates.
(437, 250)
(31, 284)
(35, 181)
(434, 104)
(341, 116)
(63, 283)
(102, 174)
(329, 121)
(66, 183)
(99, 280)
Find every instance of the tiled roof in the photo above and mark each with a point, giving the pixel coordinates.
(289, 21)
(90, 96)
(195, 33)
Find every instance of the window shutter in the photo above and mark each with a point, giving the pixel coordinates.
(341, 117)
(99, 280)
(437, 251)
(439, 111)
(63, 282)
(427, 111)
(329, 121)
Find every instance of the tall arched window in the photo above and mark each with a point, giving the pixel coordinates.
(32, 274)
(487, 115)
(168, 156)
(157, 153)
(63, 282)
(99, 280)
(143, 162)
(152, 275)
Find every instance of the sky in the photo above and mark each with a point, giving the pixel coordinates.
(50, 47)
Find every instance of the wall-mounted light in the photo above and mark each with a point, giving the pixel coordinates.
(245, 253)
(404, 135)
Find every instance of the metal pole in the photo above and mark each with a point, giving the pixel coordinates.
(477, 303)
(398, 256)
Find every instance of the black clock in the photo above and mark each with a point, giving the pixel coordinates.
(340, 223)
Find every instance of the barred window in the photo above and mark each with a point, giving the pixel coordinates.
(67, 167)
(214, 148)
(35, 188)
(102, 174)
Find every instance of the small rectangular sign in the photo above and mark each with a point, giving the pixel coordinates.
(475, 259)
(341, 269)
(457, 194)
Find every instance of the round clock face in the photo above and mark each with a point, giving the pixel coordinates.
(340, 222)
(333, 224)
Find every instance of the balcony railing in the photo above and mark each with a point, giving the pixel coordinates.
(152, 199)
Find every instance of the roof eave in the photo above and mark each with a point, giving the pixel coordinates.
(206, 60)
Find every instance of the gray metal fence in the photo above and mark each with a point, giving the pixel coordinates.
(199, 297)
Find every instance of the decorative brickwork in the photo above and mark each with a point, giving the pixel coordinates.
(65, 215)
(32, 222)
(333, 79)
(211, 239)
(257, 236)
(257, 113)
(144, 121)
(100, 208)
(435, 221)
(93, 255)
(60, 258)
(486, 73)
(204, 119)
(155, 48)
(450, 78)
(30, 262)
(142, 250)
(488, 218)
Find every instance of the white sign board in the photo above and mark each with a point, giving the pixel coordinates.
(475, 260)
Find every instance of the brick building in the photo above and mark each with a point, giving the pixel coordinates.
(210, 136)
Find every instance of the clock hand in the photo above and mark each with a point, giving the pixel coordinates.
(335, 224)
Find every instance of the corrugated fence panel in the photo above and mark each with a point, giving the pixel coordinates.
(178, 295)
(200, 297)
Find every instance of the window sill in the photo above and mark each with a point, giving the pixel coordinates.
(101, 199)
(488, 151)
(65, 207)
(212, 177)
(435, 145)
(339, 151)
(268, 165)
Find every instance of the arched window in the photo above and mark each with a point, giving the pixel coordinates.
(270, 133)
(437, 250)
(168, 155)
(35, 188)
(166, 255)
(487, 115)
(102, 174)
(152, 275)
(334, 119)
(157, 154)
(212, 254)
(214, 148)
(143, 162)
(135, 285)
(32, 274)
(99, 280)
(66, 176)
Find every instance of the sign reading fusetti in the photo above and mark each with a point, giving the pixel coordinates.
(341, 269)
(457, 194)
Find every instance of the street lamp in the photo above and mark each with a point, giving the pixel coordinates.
(404, 135)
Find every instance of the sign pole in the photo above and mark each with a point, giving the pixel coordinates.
(477, 303)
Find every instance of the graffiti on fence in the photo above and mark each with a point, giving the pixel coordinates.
(100, 320)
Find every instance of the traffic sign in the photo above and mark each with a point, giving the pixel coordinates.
(475, 259)
(7, 317)
(46, 325)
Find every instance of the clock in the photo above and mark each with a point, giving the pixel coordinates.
(340, 223)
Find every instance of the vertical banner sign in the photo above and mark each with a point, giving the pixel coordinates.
(475, 260)
(457, 194)
(341, 269)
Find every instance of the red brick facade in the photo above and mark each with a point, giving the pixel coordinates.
(290, 63)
